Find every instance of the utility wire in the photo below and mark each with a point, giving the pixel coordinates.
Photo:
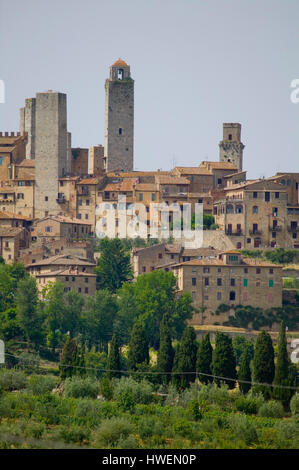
(172, 373)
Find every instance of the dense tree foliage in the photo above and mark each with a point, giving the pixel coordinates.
(138, 352)
(224, 361)
(244, 372)
(165, 353)
(114, 267)
(186, 359)
(204, 360)
(114, 361)
(263, 363)
(283, 375)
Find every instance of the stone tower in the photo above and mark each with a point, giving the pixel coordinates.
(50, 151)
(231, 147)
(119, 119)
(27, 124)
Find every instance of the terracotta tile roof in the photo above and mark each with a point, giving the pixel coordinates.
(165, 179)
(119, 63)
(192, 170)
(64, 219)
(27, 163)
(146, 187)
(219, 262)
(89, 181)
(124, 185)
(65, 272)
(62, 260)
(10, 231)
(206, 252)
(10, 215)
(6, 149)
(219, 165)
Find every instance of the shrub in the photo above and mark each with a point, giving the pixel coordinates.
(127, 443)
(76, 434)
(111, 431)
(34, 429)
(188, 395)
(248, 405)
(39, 384)
(243, 429)
(11, 379)
(271, 409)
(78, 387)
(150, 426)
(29, 361)
(216, 395)
(294, 404)
(106, 388)
(288, 429)
(194, 410)
(183, 428)
(89, 411)
(127, 393)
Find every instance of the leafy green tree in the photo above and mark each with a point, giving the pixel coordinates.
(138, 352)
(68, 358)
(263, 363)
(28, 313)
(175, 369)
(72, 316)
(165, 352)
(98, 319)
(114, 362)
(204, 360)
(244, 373)
(283, 374)
(224, 361)
(187, 358)
(114, 267)
(155, 295)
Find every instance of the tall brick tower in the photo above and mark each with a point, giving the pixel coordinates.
(50, 151)
(119, 118)
(231, 147)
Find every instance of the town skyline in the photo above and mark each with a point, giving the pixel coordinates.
(174, 86)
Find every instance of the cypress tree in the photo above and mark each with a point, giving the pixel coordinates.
(165, 352)
(175, 369)
(224, 361)
(282, 370)
(187, 358)
(114, 363)
(244, 372)
(138, 347)
(263, 363)
(204, 359)
(68, 358)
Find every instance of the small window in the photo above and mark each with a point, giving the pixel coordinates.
(87, 202)
(277, 195)
(254, 194)
(86, 290)
(219, 281)
(153, 196)
(232, 295)
(258, 270)
(255, 210)
(206, 270)
(140, 196)
(206, 281)
(143, 269)
(246, 270)
(219, 296)
(46, 198)
(230, 137)
(232, 282)
(267, 196)
(160, 255)
(86, 279)
(194, 281)
(1, 161)
(86, 217)
(271, 282)
(245, 282)
(120, 131)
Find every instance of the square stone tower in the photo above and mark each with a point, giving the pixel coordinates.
(50, 151)
(231, 147)
(119, 118)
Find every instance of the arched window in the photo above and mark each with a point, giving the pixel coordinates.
(229, 209)
(255, 210)
(120, 74)
(239, 209)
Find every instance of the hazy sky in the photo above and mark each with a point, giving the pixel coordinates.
(196, 64)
